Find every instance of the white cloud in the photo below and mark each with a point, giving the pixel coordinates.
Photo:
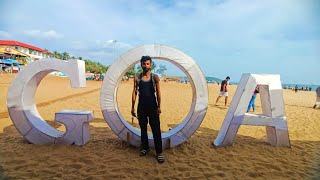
(103, 51)
(51, 34)
(209, 31)
(5, 35)
(99, 45)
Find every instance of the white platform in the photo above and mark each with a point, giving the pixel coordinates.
(77, 126)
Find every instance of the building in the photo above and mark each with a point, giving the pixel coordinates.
(34, 52)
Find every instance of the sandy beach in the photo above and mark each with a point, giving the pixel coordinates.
(106, 156)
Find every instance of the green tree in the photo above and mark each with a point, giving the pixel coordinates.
(57, 55)
(154, 66)
(91, 66)
(139, 70)
(95, 67)
(131, 72)
(65, 56)
(161, 69)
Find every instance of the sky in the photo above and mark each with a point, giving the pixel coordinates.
(224, 37)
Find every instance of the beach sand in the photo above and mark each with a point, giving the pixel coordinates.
(105, 156)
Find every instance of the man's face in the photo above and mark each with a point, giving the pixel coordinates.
(146, 66)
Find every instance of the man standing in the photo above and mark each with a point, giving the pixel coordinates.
(1, 70)
(253, 98)
(224, 91)
(148, 107)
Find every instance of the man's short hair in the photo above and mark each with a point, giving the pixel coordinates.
(145, 58)
(228, 77)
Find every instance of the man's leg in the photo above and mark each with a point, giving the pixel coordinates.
(253, 102)
(217, 99)
(143, 121)
(155, 126)
(253, 106)
(226, 101)
(249, 106)
(156, 131)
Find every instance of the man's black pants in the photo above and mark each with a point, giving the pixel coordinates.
(143, 115)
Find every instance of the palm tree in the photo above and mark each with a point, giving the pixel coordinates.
(65, 56)
(57, 55)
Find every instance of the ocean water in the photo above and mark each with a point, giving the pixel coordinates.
(314, 87)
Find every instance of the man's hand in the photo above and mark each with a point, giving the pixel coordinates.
(133, 113)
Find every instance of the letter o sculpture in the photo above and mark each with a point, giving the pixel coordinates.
(108, 96)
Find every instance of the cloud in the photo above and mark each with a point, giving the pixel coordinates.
(5, 35)
(209, 31)
(51, 34)
(99, 45)
(98, 50)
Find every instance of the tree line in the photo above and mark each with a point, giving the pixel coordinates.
(97, 67)
(91, 66)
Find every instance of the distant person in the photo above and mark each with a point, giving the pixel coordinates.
(253, 98)
(1, 69)
(296, 88)
(310, 88)
(318, 98)
(224, 91)
(147, 84)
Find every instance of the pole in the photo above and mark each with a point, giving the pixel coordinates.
(114, 49)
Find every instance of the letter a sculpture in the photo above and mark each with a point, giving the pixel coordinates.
(273, 116)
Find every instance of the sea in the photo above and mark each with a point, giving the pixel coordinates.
(313, 87)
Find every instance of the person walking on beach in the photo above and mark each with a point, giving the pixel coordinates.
(1, 70)
(224, 91)
(318, 98)
(147, 84)
(253, 98)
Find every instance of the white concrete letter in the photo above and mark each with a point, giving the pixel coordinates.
(273, 116)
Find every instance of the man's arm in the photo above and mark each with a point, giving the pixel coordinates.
(158, 93)
(134, 96)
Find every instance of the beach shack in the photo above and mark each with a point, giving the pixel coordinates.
(12, 60)
(11, 65)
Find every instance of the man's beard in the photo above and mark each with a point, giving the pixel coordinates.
(146, 69)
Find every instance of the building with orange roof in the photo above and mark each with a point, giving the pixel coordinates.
(34, 52)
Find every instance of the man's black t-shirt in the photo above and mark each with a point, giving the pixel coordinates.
(224, 82)
(147, 98)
